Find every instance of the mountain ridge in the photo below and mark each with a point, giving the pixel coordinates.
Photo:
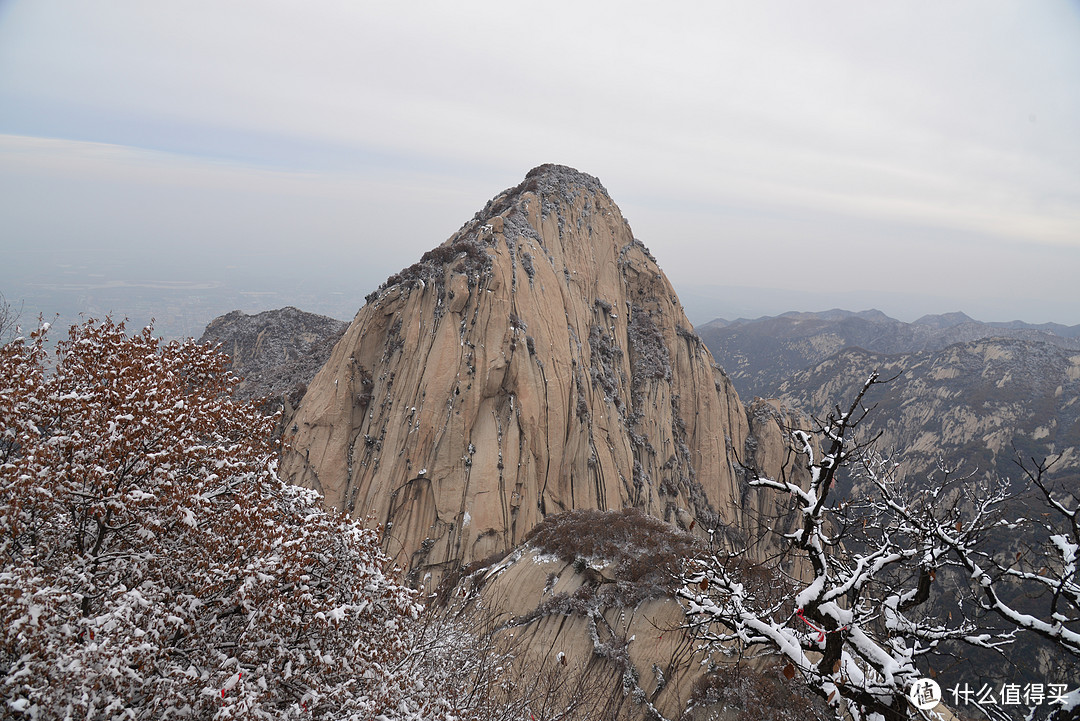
(537, 361)
(760, 353)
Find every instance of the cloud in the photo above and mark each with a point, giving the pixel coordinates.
(782, 120)
(173, 214)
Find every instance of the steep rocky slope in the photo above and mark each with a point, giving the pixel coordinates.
(760, 354)
(537, 361)
(276, 352)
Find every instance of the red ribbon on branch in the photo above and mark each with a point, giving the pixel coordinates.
(228, 686)
(821, 631)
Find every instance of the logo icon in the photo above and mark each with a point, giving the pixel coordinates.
(925, 694)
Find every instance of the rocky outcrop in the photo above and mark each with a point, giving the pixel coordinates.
(596, 589)
(537, 361)
(276, 353)
(590, 595)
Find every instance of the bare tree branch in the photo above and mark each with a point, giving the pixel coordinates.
(857, 623)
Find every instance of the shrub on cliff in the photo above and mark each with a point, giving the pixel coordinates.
(644, 555)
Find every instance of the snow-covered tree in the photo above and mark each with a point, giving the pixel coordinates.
(856, 619)
(152, 564)
(9, 319)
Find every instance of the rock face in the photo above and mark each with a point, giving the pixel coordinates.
(537, 361)
(276, 352)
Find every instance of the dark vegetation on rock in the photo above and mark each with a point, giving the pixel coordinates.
(467, 254)
(643, 556)
(649, 357)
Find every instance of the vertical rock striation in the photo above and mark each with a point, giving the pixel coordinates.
(537, 361)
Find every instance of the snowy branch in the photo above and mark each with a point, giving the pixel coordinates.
(856, 619)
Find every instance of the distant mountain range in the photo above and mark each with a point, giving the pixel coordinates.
(976, 404)
(968, 393)
(763, 353)
(970, 396)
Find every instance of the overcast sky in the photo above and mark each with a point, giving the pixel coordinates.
(911, 156)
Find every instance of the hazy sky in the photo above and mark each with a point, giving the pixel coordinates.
(911, 156)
